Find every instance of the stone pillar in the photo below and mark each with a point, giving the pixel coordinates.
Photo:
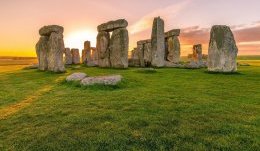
(119, 48)
(86, 53)
(140, 53)
(173, 46)
(113, 52)
(41, 51)
(197, 54)
(158, 43)
(222, 52)
(50, 49)
(147, 53)
(103, 39)
(75, 56)
(68, 56)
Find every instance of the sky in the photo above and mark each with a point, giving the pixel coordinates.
(21, 20)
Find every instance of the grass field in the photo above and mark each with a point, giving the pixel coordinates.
(171, 109)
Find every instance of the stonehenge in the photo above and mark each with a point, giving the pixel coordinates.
(50, 49)
(113, 51)
(158, 43)
(162, 50)
(222, 51)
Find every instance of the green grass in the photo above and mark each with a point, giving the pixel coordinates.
(170, 109)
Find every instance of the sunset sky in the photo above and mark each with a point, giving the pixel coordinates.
(21, 20)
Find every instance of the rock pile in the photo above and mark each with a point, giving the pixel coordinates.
(113, 52)
(50, 48)
(222, 52)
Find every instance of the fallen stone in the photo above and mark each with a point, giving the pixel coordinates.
(47, 30)
(102, 80)
(76, 77)
(112, 25)
(222, 52)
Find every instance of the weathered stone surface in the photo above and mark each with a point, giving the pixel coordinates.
(103, 39)
(94, 57)
(75, 56)
(134, 60)
(41, 51)
(68, 56)
(55, 53)
(113, 25)
(102, 80)
(171, 33)
(140, 53)
(86, 53)
(119, 48)
(197, 53)
(173, 65)
(158, 43)
(76, 77)
(148, 53)
(222, 52)
(47, 30)
(173, 49)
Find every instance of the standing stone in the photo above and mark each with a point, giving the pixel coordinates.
(75, 56)
(50, 48)
(41, 51)
(119, 48)
(222, 52)
(174, 52)
(158, 43)
(68, 56)
(148, 53)
(55, 53)
(197, 53)
(94, 56)
(103, 39)
(140, 53)
(134, 60)
(86, 53)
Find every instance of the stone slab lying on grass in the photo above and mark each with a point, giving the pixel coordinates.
(76, 77)
(102, 80)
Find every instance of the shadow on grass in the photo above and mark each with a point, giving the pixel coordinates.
(96, 87)
(223, 73)
(146, 70)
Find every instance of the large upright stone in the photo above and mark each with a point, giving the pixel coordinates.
(173, 49)
(158, 43)
(140, 52)
(41, 51)
(55, 53)
(197, 53)
(148, 53)
(86, 53)
(68, 56)
(75, 56)
(222, 52)
(103, 39)
(134, 61)
(119, 48)
(113, 25)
